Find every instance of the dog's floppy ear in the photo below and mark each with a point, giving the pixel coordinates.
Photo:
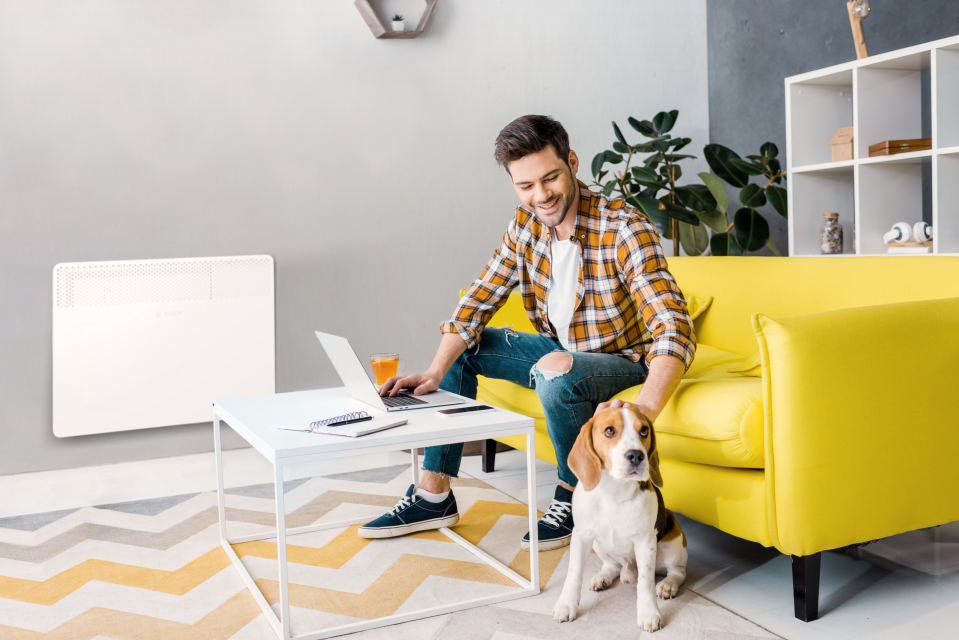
(653, 456)
(583, 459)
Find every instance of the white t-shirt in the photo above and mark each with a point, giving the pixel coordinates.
(563, 283)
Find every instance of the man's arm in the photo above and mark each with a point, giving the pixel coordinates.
(451, 346)
(665, 373)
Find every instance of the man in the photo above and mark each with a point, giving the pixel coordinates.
(608, 316)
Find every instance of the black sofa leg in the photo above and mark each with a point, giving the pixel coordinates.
(489, 455)
(806, 586)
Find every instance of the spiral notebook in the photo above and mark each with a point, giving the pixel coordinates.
(349, 425)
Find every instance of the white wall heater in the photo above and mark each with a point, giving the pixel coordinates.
(151, 343)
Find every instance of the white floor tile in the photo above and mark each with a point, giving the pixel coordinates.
(508, 463)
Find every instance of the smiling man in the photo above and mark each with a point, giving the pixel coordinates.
(608, 316)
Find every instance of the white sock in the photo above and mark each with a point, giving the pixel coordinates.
(432, 497)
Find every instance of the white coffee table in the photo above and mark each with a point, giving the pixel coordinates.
(252, 418)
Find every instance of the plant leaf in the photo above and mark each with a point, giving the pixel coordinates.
(645, 174)
(717, 189)
(663, 122)
(750, 168)
(713, 219)
(608, 189)
(769, 150)
(697, 197)
(752, 196)
(673, 157)
(751, 229)
(613, 158)
(694, 239)
(598, 161)
(718, 158)
(619, 146)
(619, 134)
(777, 198)
(682, 214)
(644, 127)
(682, 142)
(772, 247)
(724, 244)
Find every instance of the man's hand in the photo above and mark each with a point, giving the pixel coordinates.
(615, 404)
(421, 383)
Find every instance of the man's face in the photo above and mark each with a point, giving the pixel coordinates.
(545, 184)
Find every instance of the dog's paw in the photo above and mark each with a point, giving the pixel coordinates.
(564, 611)
(629, 574)
(601, 581)
(650, 621)
(667, 589)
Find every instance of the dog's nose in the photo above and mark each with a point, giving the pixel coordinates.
(635, 456)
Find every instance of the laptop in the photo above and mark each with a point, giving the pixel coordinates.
(360, 386)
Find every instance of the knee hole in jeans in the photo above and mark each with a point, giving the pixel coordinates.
(554, 364)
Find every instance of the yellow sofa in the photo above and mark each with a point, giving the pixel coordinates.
(847, 432)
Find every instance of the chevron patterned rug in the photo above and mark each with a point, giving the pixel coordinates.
(154, 569)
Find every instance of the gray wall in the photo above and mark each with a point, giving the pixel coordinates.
(754, 44)
(135, 129)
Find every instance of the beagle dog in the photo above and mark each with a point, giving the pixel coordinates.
(619, 512)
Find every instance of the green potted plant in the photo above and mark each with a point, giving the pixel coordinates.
(397, 22)
(684, 212)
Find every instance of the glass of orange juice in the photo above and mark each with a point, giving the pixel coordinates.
(385, 366)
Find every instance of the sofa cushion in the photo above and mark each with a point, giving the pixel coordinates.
(714, 417)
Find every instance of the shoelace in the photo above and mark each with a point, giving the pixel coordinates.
(557, 512)
(404, 502)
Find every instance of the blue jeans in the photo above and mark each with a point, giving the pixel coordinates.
(569, 399)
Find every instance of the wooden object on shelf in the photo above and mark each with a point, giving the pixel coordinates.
(381, 33)
(927, 243)
(858, 9)
(841, 143)
(892, 147)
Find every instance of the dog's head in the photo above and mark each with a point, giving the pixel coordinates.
(620, 440)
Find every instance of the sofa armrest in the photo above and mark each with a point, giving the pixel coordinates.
(861, 422)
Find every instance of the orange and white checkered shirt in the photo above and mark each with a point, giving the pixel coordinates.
(627, 302)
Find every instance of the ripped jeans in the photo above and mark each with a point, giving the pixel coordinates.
(569, 398)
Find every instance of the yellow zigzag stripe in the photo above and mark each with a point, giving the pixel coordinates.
(219, 624)
(473, 526)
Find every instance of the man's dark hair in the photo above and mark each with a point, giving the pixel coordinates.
(530, 134)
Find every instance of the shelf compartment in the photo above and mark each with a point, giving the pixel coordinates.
(912, 157)
(947, 97)
(817, 109)
(947, 183)
(891, 104)
(814, 193)
(889, 192)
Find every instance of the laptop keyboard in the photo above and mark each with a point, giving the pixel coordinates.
(402, 401)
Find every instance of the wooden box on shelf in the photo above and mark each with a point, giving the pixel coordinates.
(841, 144)
(910, 247)
(892, 147)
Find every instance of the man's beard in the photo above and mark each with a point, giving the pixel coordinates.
(566, 202)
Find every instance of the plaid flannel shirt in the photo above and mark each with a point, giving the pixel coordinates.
(627, 302)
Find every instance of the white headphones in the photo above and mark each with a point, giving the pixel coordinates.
(904, 232)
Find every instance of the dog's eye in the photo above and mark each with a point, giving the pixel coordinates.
(644, 432)
(610, 432)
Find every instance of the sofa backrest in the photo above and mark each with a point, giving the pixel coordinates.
(783, 287)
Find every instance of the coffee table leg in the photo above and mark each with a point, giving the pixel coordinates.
(533, 526)
(220, 498)
(281, 551)
(416, 467)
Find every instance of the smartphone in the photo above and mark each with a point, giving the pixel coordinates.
(464, 411)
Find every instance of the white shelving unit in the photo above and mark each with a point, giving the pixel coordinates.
(881, 97)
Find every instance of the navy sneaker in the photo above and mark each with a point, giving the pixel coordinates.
(556, 526)
(411, 514)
